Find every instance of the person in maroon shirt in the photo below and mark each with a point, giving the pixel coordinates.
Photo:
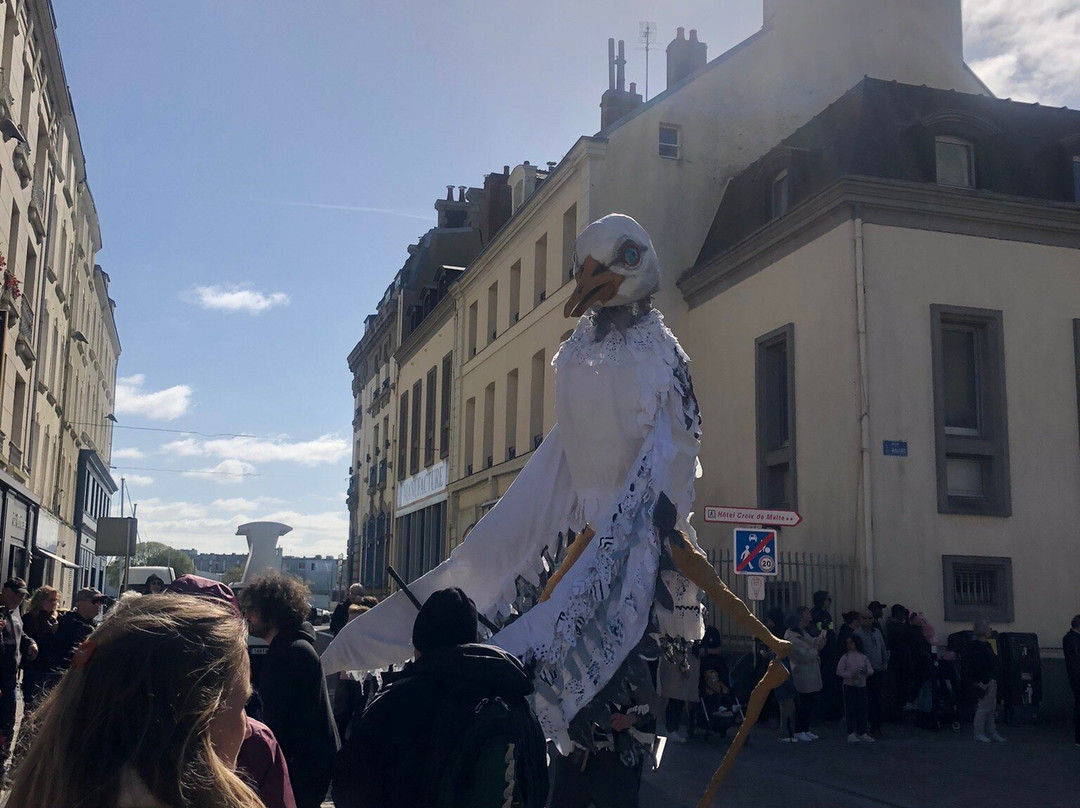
(260, 759)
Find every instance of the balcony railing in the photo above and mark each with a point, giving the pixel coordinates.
(36, 211)
(24, 344)
(14, 456)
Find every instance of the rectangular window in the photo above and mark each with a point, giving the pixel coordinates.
(511, 413)
(515, 292)
(472, 329)
(775, 382)
(540, 271)
(414, 428)
(403, 435)
(977, 587)
(444, 406)
(780, 198)
(470, 435)
(970, 420)
(429, 417)
(669, 141)
(493, 312)
(536, 400)
(955, 159)
(489, 425)
(569, 237)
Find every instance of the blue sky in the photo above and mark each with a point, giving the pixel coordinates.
(260, 168)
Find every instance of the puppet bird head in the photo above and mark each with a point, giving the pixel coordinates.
(615, 265)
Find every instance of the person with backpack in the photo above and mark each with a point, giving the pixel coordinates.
(452, 729)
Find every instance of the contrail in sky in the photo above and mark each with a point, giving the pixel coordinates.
(357, 209)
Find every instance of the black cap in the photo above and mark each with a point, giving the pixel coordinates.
(875, 605)
(17, 585)
(448, 617)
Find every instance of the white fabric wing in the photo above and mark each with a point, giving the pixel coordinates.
(506, 543)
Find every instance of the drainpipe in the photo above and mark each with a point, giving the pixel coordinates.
(864, 407)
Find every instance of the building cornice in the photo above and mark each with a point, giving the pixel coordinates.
(535, 206)
(893, 203)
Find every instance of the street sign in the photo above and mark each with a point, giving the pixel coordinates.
(755, 587)
(894, 448)
(751, 516)
(755, 552)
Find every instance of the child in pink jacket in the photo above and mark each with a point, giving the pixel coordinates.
(854, 668)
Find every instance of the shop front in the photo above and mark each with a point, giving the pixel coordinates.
(421, 522)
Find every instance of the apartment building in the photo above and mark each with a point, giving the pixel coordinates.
(60, 345)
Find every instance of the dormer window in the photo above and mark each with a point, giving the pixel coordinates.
(955, 159)
(780, 195)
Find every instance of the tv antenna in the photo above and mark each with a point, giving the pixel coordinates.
(646, 38)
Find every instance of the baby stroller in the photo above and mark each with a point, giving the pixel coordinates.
(947, 693)
(721, 711)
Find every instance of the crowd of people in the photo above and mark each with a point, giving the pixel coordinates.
(166, 700)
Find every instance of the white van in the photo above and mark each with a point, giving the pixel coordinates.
(137, 577)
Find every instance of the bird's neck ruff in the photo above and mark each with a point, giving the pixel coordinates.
(621, 318)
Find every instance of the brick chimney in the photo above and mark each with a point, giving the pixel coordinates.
(684, 56)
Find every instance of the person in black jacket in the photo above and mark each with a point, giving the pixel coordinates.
(296, 705)
(72, 629)
(341, 612)
(1070, 643)
(403, 751)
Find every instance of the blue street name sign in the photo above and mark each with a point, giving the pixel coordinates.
(755, 552)
(894, 448)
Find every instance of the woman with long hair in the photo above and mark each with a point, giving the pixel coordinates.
(805, 670)
(150, 714)
(39, 623)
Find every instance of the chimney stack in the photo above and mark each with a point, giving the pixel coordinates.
(617, 103)
(461, 193)
(684, 56)
(449, 193)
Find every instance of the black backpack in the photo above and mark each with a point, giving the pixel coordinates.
(486, 751)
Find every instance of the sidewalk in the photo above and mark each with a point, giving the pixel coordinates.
(1039, 767)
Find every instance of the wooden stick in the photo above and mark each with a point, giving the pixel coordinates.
(404, 587)
(774, 676)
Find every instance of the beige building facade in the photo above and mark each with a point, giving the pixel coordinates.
(60, 347)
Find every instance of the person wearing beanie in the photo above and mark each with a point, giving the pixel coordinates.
(429, 735)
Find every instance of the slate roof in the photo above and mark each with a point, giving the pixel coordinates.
(887, 130)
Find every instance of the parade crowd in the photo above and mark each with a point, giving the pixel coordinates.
(166, 701)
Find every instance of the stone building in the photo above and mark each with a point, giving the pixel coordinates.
(60, 346)
(761, 179)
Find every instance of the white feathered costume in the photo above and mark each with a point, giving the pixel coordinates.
(627, 430)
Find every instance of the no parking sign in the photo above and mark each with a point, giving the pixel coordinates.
(755, 552)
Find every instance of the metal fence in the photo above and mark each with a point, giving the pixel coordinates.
(798, 576)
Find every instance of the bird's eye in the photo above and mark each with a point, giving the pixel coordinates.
(629, 254)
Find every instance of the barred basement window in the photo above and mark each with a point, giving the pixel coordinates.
(977, 587)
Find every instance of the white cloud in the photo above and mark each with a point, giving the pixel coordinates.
(232, 297)
(130, 453)
(157, 405)
(242, 505)
(212, 528)
(137, 479)
(1025, 51)
(326, 449)
(227, 472)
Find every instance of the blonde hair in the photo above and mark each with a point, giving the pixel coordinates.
(39, 596)
(137, 703)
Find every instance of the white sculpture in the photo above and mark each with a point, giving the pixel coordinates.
(262, 540)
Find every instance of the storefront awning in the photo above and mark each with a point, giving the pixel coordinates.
(57, 558)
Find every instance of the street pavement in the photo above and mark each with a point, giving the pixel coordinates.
(1039, 767)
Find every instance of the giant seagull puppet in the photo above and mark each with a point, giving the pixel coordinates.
(617, 472)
